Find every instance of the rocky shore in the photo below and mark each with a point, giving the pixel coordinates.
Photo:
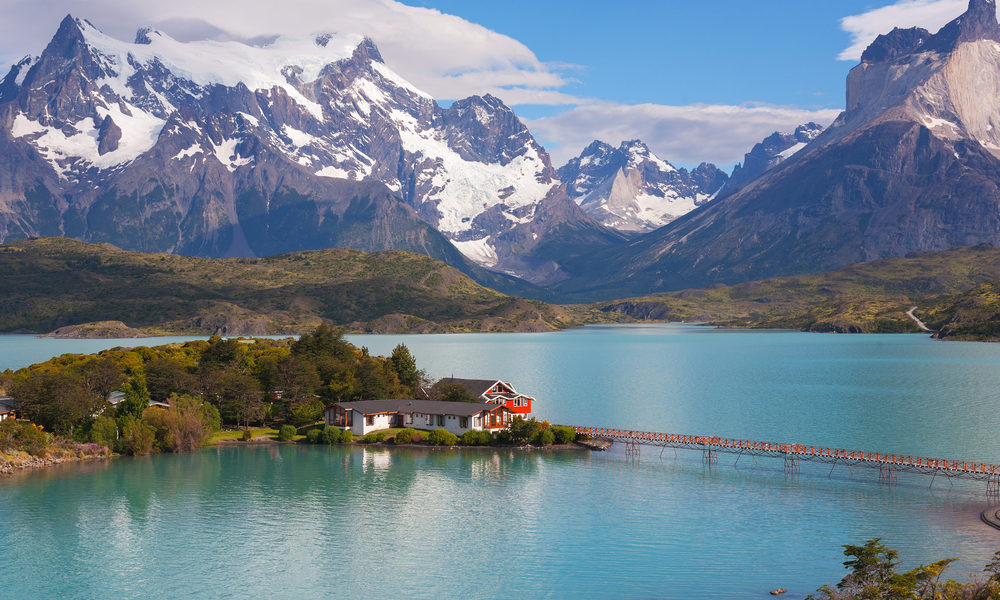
(17, 461)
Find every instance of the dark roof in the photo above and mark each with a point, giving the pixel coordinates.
(7, 404)
(433, 407)
(476, 387)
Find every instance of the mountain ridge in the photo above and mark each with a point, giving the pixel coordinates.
(183, 148)
(911, 165)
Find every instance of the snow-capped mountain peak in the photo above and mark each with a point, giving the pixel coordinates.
(325, 106)
(631, 189)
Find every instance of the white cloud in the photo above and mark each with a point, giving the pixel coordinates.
(445, 55)
(929, 14)
(680, 134)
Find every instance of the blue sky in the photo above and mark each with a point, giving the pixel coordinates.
(697, 81)
(779, 51)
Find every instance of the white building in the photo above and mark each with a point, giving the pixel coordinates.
(456, 417)
(8, 408)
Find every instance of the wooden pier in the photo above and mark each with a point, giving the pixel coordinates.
(888, 465)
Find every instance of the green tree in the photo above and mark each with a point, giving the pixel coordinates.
(221, 353)
(104, 431)
(102, 376)
(520, 431)
(296, 380)
(166, 376)
(136, 398)
(455, 392)
(873, 576)
(405, 367)
(240, 399)
(60, 401)
(324, 342)
(376, 380)
(137, 437)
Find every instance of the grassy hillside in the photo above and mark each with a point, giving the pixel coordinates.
(50, 283)
(974, 315)
(864, 298)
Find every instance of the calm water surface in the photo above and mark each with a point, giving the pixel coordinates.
(305, 522)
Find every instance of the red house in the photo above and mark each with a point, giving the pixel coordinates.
(493, 391)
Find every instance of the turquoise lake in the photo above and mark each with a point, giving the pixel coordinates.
(311, 522)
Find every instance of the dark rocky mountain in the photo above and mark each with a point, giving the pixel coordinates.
(632, 190)
(225, 149)
(910, 165)
(768, 153)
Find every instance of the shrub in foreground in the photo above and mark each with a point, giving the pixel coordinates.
(137, 437)
(404, 436)
(313, 436)
(545, 437)
(104, 431)
(442, 437)
(331, 435)
(564, 434)
(21, 435)
(286, 433)
(374, 437)
(346, 437)
(476, 438)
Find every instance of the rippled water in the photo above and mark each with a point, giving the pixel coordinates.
(305, 522)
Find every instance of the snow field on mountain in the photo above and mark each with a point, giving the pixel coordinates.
(140, 130)
(224, 63)
(464, 189)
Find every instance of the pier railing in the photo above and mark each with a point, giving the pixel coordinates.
(887, 464)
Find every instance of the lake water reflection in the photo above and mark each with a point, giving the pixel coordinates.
(359, 522)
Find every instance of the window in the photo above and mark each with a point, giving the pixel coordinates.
(369, 420)
(477, 421)
(440, 420)
(429, 420)
(464, 422)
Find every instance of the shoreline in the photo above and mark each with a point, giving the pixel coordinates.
(34, 464)
(592, 445)
(9, 468)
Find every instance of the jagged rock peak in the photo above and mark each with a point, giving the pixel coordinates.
(70, 33)
(366, 50)
(897, 42)
(142, 36)
(979, 22)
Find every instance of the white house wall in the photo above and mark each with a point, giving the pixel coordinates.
(451, 423)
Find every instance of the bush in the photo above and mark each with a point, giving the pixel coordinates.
(418, 437)
(374, 437)
(404, 436)
(564, 435)
(286, 433)
(104, 432)
(307, 412)
(331, 435)
(19, 435)
(521, 430)
(137, 437)
(247, 435)
(545, 438)
(442, 437)
(313, 436)
(473, 437)
(346, 437)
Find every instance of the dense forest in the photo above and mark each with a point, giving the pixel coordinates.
(172, 398)
(196, 387)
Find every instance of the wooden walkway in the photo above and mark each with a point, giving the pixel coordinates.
(888, 465)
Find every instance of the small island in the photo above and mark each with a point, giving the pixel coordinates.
(318, 389)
